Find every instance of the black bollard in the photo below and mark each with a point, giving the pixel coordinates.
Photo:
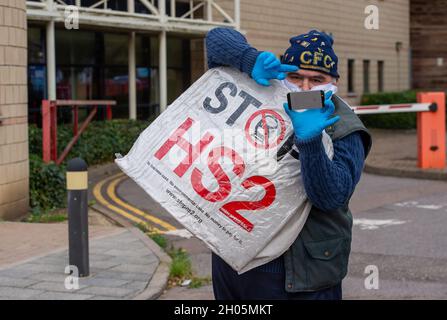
(77, 187)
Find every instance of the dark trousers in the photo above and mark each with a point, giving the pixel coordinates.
(260, 285)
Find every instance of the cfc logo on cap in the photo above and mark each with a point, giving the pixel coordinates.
(308, 57)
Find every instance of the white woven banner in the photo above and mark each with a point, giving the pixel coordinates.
(219, 160)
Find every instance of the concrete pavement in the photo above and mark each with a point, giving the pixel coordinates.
(124, 262)
(20, 241)
(115, 271)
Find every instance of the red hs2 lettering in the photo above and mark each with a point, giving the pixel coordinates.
(230, 209)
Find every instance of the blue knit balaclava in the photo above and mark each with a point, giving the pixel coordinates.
(312, 51)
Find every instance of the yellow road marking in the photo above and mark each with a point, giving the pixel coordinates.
(112, 194)
(104, 202)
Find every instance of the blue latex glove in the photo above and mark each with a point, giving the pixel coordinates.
(310, 123)
(267, 67)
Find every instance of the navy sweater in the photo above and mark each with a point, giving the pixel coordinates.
(328, 183)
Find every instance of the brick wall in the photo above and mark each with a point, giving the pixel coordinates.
(14, 169)
(428, 22)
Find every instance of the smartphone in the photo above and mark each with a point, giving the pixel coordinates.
(306, 100)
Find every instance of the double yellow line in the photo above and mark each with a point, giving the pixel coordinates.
(138, 215)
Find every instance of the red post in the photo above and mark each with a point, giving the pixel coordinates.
(109, 112)
(431, 132)
(53, 115)
(75, 120)
(46, 128)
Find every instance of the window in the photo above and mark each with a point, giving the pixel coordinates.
(75, 47)
(365, 76)
(147, 76)
(380, 68)
(178, 55)
(36, 45)
(75, 82)
(116, 49)
(37, 80)
(351, 88)
(94, 65)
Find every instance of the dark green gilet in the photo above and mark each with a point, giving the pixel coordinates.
(319, 256)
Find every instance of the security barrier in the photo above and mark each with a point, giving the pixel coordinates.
(431, 130)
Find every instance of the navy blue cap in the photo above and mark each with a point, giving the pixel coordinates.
(312, 51)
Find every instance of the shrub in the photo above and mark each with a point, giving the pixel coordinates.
(47, 185)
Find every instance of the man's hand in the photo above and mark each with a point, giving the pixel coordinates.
(310, 123)
(268, 67)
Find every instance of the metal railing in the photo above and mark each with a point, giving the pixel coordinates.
(49, 124)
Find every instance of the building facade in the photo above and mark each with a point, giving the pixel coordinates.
(126, 50)
(370, 60)
(14, 170)
(141, 53)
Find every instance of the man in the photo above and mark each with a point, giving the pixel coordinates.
(314, 266)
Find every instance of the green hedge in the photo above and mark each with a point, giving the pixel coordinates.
(46, 184)
(98, 144)
(391, 120)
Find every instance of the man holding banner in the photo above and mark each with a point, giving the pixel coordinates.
(316, 263)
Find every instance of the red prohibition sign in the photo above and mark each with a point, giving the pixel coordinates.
(264, 114)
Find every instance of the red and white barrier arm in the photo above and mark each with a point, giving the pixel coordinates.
(394, 108)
